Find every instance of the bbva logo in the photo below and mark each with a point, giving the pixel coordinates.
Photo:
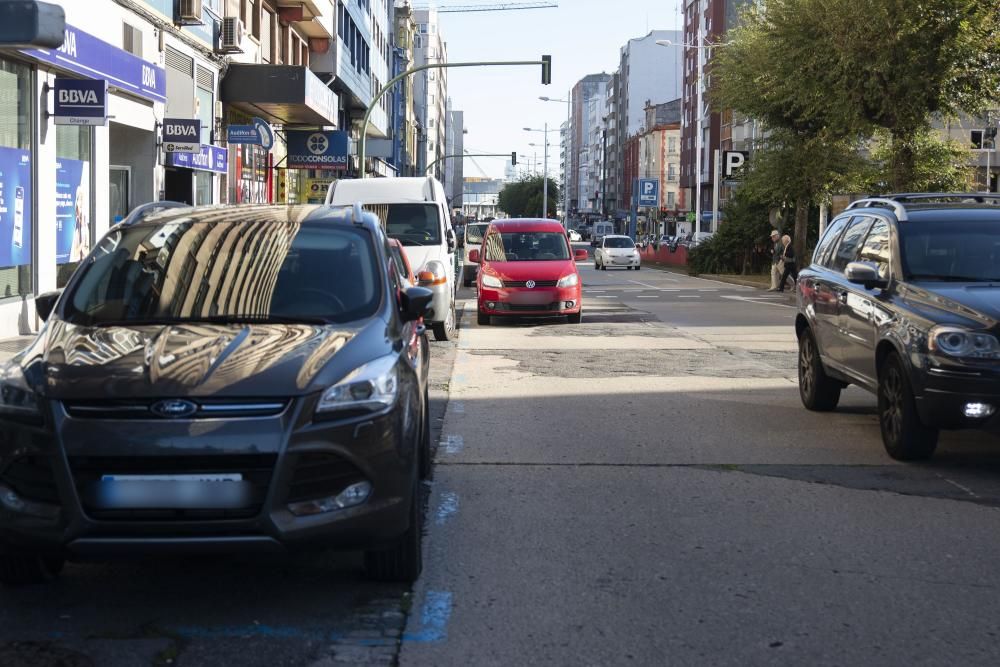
(181, 130)
(78, 97)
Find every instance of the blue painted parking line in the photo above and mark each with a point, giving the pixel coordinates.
(434, 615)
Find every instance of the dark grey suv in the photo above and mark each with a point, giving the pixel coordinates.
(224, 379)
(903, 299)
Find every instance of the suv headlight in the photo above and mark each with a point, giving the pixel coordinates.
(432, 273)
(568, 281)
(16, 397)
(492, 281)
(959, 342)
(371, 388)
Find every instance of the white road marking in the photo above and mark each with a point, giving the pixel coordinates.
(688, 296)
(760, 301)
(639, 282)
(644, 296)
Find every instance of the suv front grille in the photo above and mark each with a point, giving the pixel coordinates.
(524, 283)
(143, 409)
(319, 475)
(255, 469)
(31, 477)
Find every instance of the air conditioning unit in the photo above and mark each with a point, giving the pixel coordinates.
(189, 12)
(231, 35)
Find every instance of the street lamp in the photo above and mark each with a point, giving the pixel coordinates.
(545, 170)
(569, 144)
(699, 141)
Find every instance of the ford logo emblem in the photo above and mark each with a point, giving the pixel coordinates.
(530, 284)
(173, 408)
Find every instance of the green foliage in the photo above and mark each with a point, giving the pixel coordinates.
(741, 245)
(523, 198)
(939, 165)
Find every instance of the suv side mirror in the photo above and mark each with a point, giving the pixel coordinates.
(415, 303)
(474, 256)
(864, 273)
(44, 303)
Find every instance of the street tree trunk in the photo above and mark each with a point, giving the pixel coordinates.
(801, 229)
(903, 162)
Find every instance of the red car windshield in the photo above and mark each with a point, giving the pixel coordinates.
(526, 247)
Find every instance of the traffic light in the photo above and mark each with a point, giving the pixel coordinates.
(546, 70)
(30, 23)
(513, 159)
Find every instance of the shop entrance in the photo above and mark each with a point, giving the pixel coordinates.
(178, 185)
(119, 182)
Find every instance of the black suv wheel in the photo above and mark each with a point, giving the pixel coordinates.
(22, 569)
(402, 562)
(905, 437)
(818, 391)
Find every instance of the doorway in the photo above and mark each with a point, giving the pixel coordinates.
(178, 185)
(120, 199)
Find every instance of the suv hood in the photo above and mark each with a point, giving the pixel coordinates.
(979, 302)
(542, 270)
(197, 360)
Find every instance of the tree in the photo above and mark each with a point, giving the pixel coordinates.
(523, 198)
(940, 165)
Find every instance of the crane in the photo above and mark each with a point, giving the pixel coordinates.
(496, 7)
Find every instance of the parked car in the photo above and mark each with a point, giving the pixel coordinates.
(698, 238)
(616, 250)
(473, 240)
(666, 240)
(601, 229)
(681, 240)
(173, 405)
(574, 236)
(902, 298)
(528, 268)
(585, 230)
(414, 211)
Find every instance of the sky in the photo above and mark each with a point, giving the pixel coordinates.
(583, 37)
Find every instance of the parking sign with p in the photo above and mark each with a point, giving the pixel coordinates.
(649, 192)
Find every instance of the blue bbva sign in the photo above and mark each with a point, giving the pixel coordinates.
(88, 56)
(81, 102)
(258, 133)
(649, 192)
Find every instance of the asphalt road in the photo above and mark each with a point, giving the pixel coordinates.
(641, 488)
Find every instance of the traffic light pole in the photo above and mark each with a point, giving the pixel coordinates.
(545, 62)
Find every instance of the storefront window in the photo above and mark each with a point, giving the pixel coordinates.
(74, 207)
(15, 180)
(203, 188)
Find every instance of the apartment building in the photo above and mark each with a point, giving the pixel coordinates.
(430, 91)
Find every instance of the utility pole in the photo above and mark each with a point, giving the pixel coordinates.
(604, 174)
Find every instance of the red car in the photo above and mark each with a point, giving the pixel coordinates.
(528, 267)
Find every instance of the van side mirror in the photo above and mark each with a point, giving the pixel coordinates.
(474, 256)
(44, 303)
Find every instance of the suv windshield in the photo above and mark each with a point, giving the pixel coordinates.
(966, 251)
(184, 271)
(474, 233)
(527, 247)
(618, 242)
(412, 224)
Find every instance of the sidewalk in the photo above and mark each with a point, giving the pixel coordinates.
(11, 346)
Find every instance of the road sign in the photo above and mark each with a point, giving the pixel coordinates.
(733, 161)
(181, 135)
(649, 192)
(81, 102)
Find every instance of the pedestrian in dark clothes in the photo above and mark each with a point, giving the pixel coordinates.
(788, 258)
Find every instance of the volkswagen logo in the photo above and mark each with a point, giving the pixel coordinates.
(173, 408)
(530, 284)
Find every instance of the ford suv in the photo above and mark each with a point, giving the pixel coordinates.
(240, 379)
(902, 298)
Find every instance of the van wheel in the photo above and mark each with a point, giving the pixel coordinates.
(445, 331)
(23, 569)
(403, 561)
(903, 434)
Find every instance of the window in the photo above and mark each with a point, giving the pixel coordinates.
(74, 206)
(829, 240)
(15, 158)
(877, 248)
(413, 224)
(850, 243)
(670, 200)
(952, 250)
(266, 32)
(672, 144)
(132, 39)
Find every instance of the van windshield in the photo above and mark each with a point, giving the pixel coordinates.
(411, 224)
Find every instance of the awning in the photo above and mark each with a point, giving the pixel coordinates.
(281, 94)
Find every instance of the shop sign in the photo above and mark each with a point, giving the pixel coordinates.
(317, 150)
(86, 55)
(181, 135)
(208, 158)
(81, 102)
(313, 190)
(257, 133)
(72, 210)
(15, 207)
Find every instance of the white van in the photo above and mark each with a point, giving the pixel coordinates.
(415, 212)
(601, 229)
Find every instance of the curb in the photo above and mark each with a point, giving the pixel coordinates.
(735, 281)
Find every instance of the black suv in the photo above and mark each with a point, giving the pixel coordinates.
(903, 299)
(223, 379)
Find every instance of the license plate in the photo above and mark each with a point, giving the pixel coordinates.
(196, 477)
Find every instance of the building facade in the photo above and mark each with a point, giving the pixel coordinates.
(586, 89)
(431, 92)
(454, 179)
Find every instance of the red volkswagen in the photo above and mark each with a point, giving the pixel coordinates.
(528, 267)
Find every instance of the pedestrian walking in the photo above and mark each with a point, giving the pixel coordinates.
(788, 260)
(776, 251)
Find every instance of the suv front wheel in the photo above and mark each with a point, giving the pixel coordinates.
(905, 437)
(817, 390)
